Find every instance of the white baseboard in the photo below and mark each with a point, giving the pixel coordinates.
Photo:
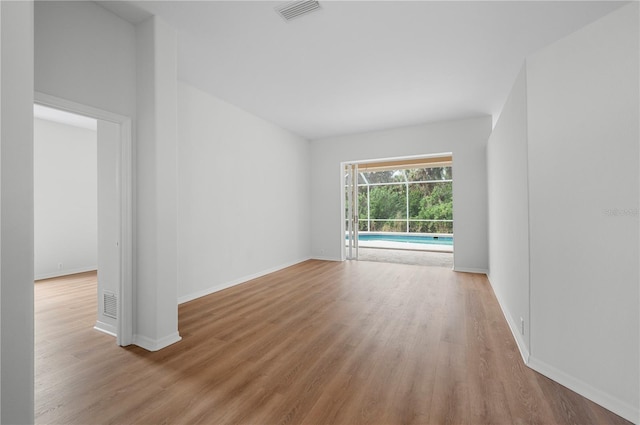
(156, 344)
(225, 285)
(615, 405)
(619, 407)
(325, 259)
(59, 273)
(106, 328)
(469, 270)
(513, 326)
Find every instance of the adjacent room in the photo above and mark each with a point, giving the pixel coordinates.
(65, 193)
(247, 139)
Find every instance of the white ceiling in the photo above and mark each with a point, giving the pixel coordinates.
(358, 66)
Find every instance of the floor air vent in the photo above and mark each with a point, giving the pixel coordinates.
(295, 9)
(110, 304)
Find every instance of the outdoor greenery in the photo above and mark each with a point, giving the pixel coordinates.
(384, 204)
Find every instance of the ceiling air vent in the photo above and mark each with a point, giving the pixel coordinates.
(295, 9)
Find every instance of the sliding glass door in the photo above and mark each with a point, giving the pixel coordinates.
(351, 210)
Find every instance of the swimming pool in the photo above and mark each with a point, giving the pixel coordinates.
(407, 238)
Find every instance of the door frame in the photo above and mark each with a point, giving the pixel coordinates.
(124, 168)
(350, 225)
(343, 184)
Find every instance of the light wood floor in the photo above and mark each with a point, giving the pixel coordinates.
(317, 343)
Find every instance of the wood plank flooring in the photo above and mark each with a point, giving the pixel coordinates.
(317, 343)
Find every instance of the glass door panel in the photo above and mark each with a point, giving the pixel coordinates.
(351, 210)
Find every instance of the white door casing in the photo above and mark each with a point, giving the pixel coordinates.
(115, 236)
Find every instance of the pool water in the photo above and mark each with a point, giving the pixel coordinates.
(409, 238)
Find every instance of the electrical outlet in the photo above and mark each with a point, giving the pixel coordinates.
(522, 326)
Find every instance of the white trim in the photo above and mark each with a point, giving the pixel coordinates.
(67, 272)
(225, 285)
(513, 326)
(326, 259)
(125, 175)
(76, 108)
(343, 164)
(32, 333)
(106, 328)
(605, 400)
(343, 218)
(157, 344)
(470, 270)
(400, 158)
(42, 112)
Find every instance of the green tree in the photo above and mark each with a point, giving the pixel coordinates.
(426, 201)
(429, 174)
(387, 202)
(362, 208)
(438, 205)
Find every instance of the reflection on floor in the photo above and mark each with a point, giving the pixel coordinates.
(419, 258)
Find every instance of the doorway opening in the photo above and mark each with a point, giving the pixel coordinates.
(399, 210)
(65, 193)
(110, 209)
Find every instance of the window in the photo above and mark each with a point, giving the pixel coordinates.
(412, 200)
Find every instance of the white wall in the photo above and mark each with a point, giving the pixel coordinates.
(509, 212)
(109, 220)
(86, 54)
(571, 128)
(16, 212)
(583, 170)
(156, 150)
(65, 199)
(243, 195)
(466, 139)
